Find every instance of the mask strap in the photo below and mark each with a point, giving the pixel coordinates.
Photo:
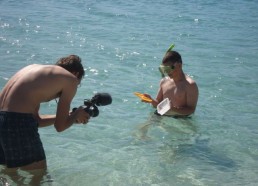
(162, 74)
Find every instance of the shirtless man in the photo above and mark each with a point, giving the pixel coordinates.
(20, 99)
(180, 89)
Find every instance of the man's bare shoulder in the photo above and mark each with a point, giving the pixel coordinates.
(54, 75)
(163, 80)
(59, 74)
(190, 80)
(191, 85)
(47, 70)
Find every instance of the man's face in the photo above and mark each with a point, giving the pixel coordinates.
(167, 68)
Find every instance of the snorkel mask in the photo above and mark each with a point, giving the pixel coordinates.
(164, 70)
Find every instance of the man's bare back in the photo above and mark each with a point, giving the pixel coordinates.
(33, 85)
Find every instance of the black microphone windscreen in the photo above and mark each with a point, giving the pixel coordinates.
(103, 99)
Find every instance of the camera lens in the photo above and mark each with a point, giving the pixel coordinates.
(93, 111)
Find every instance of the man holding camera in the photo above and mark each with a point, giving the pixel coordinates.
(20, 99)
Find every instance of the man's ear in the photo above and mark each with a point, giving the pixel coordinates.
(76, 74)
(179, 64)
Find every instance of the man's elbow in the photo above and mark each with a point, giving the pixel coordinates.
(59, 128)
(192, 110)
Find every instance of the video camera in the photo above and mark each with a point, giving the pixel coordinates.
(99, 99)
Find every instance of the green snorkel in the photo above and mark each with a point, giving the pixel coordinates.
(162, 68)
(170, 48)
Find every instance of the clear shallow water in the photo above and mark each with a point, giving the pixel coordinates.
(121, 44)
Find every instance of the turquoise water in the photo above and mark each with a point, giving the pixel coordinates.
(121, 44)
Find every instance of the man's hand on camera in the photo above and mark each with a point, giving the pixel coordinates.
(81, 116)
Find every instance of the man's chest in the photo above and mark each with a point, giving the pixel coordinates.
(174, 90)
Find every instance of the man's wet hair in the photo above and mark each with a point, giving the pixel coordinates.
(72, 63)
(172, 56)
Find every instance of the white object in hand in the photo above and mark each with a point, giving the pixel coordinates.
(163, 106)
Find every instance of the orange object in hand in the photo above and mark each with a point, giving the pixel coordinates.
(143, 97)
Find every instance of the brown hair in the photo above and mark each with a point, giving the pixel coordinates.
(172, 56)
(72, 63)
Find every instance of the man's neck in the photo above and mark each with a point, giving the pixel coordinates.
(178, 76)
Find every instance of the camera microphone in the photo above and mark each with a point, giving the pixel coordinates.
(99, 99)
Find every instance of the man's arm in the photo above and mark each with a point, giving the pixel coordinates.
(159, 96)
(46, 120)
(63, 119)
(158, 99)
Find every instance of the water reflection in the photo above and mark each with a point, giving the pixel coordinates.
(178, 139)
(202, 151)
(21, 177)
(169, 126)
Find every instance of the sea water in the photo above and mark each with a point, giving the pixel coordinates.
(121, 44)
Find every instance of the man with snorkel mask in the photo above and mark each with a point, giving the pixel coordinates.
(179, 88)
